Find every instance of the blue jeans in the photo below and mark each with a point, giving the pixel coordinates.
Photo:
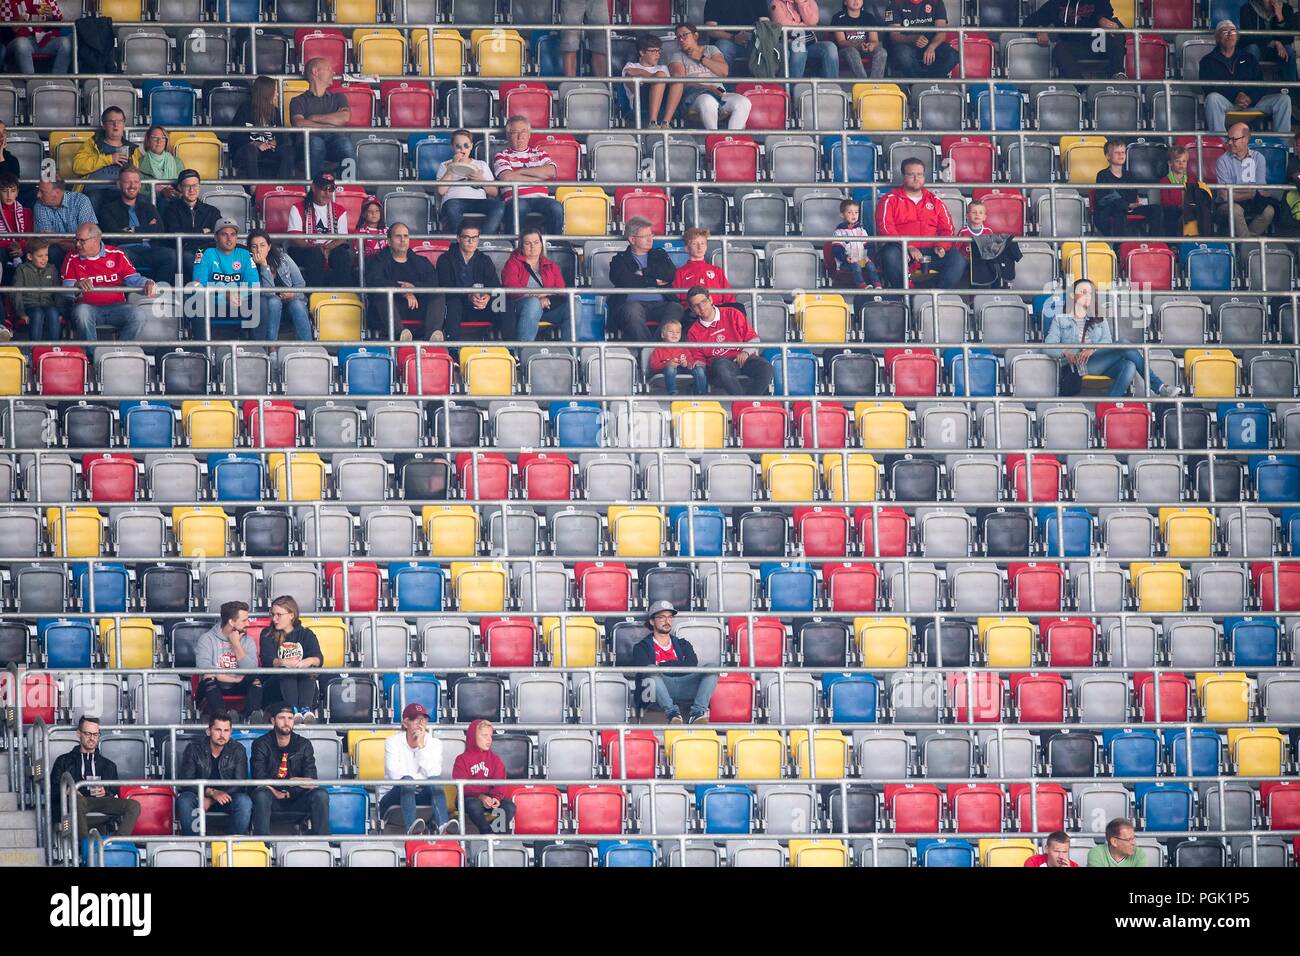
(529, 315)
(952, 268)
(699, 378)
(273, 309)
(1266, 54)
(408, 797)
(666, 688)
(737, 56)
(454, 210)
(863, 273)
(44, 323)
(1120, 365)
(329, 147)
(22, 50)
(826, 52)
(122, 316)
(552, 213)
(240, 810)
(905, 60)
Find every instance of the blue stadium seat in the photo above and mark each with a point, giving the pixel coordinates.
(1207, 752)
(237, 476)
(366, 370)
(945, 853)
(791, 588)
(112, 587)
(725, 808)
(148, 426)
(349, 810)
(428, 152)
(1244, 425)
(1165, 806)
(1275, 156)
(1253, 641)
(626, 853)
(852, 698)
(590, 324)
(169, 102)
(1291, 531)
(1208, 267)
(239, 11)
(115, 854)
(1276, 479)
(66, 643)
(1078, 525)
(1132, 752)
(801, 367)
(706, 535)
(983, 371)
(424, 689)
(417, 586)
(577, 424)
(1005, 105)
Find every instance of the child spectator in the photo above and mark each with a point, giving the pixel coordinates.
(851, 257)
(478, 762)
(15, 219)
(1118, 212)
(993, 255)
(1192, 203)
(649, 49)
(673, 357)
(32, 302)
(372, 224)
(697, 270)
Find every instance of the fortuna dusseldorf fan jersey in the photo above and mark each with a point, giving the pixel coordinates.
(110, 267)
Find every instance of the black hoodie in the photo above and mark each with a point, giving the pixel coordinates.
(1071, 13)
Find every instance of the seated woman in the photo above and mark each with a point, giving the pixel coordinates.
(280, 278)
(465, 187)
(261, 153)
(528, 268)
(155, 160)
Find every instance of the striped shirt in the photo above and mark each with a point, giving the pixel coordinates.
(509, 160)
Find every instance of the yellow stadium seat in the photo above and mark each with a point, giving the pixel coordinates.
(85, 532)
(200, 532)
(448, 52)
(699, 424)
(1225, 698)
(199, 150)
(880, 106)
(122, 11)
(356, 11)
(695, 754)
(479, 586)
(332, 635)
(831, 757)
(863, 475)
(637, 532)
(452, 530)
(210, 424)
(1007, 641)
(1159, 586)
(1188, 532)
(12, 367)
(498, 52)
(380, 52)
(757, 754)
(822, 317)
(882, 424)
(289, 88)
(1010, 852)
(586, 210)
(1125, 11)
(337, 316)
(1083, 157)
(576, 644)
(1099, 265)
(1211, 373)
(366, 748)
(789, 477)
(487, 370)
(64, 144)
(137, 641)
(248, 853)
(306, 471)
(883, 641)
(1257, 752)
(819, 853)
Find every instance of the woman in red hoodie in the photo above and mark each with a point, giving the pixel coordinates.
(478, 762)
(528, 268)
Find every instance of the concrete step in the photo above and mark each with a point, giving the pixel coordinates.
(8, 801)
(18, 838)
(21, 856)
(17, 820)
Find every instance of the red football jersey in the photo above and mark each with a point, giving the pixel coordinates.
(111, 267)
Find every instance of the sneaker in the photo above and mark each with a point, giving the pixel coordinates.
(676, 718)
(1170, 391)
(308, 716)
(451, 826)
(699, 717)
(418, 827)
(6, 333)
(436, 336)
(1121, 75)
(406, 336)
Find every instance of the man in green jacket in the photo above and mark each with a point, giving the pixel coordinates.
(1120, 848)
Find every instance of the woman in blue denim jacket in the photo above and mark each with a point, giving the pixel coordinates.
(1076, 325)
(280, 274)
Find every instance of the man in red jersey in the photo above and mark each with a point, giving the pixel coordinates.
(696, 271)
(92, 266)
(727, 362)
(912, 210)
(1056, 852)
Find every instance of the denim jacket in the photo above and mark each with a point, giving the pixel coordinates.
(287, 276)
(1065, 330)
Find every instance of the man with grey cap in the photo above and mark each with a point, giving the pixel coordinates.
(1228, 65)
(662, 649)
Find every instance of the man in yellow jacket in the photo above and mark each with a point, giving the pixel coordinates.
(101, 156)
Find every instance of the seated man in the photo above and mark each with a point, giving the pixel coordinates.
(662, 649)
(320, 110)
(1227, 66)
(912, 210)
(60, 211)
(215, 758)
(643, 268)
(1097, 16)
(716, 325)
(1272, 16)
(322, 261)
(1120, 848)
(1111, 207)
(397, 265)
(1248, 211)
(919, 55)
(188, 215)
(415, 754)
(128, 213)
(85, 762)
(280, 754)
(526, 168)
(23, 43)
(230, 652)
(101, 156)
(1056, 852)
(466, 267)
(230, 267)
(93, 266)
(488, 807)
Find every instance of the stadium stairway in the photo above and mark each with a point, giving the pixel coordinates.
(17, 827)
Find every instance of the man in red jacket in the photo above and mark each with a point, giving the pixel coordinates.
(912, 210)
(483, 805)
(715, 325)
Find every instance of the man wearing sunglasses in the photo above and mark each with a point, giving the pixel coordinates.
(469, 190)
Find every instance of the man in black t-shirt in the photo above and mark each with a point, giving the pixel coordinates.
(320, 109)
(861, 51)
(734, 45)
(913, 55)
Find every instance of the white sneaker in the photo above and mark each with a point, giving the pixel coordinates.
(1170, 391)
(418, 827)
(451, 826)
(405, 336)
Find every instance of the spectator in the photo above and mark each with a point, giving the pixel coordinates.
(672, 357)
(280, 275)
(1119, 212)
(287, 644)
(733, 13)
(227, 649)
(1192, 203)
(523, 163)
(228, 266)
(1120, 848)
(851, 256)
(15, 219)
(459, 201)
(993, 256)
(156, 161)
(528, 268)
(1097, 16)
(1247, 212)
(97, 264)
(590, 12)
(397, 265)
(858, 42)
(261, 153)
(707, 97)
(32, 301)
(912, 210)
(23, 43)
(1273, 16)
(60, 211)
(1079, 325)
(1228, 65)
(127, 213)
(640, 266)
(484, 805)
(727, 363)
(697, 271)
(322, 261)
(465, 267)
(914, 55)
(280, 754)
(1056, 852)
(803, 44)
(653, 96)
(1290, 206)
(372, 224)
(215, 758)
(415, 754)
(86, 763)
(189, 216)
(661, 648)
(8, 161)
(101, 156)
(320, 109)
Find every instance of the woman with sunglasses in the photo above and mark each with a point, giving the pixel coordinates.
(466, 198)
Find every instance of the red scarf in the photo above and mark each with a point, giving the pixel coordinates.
(15, 218)
(309, 215)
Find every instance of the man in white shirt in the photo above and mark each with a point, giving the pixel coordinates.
(322, 261)
(415, 754)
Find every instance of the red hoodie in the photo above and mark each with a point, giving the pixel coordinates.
(476, 764)
(698, 272)
(730, 326)
(515, 275)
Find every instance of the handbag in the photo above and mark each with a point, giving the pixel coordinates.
(1069, 381)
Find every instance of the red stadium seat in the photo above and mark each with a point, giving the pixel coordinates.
(851, 587)
(361, 109)
(431, 249)
(651, 13)
(895, 531)
(1069, 641)
(977, 807)
(971, 159)
(733, 700)
(351, 198)
(652, 204)
(769, 641)
(443, 853)
(642, 753)
(110, 477)
(60, 370)
(733, 159)
(760, 424)
(1149, 265)
(913, 371)
(598, 808)
(1047, 472)
(823, 530)
(510, 641)
(564, 150)
(280, 418)
(156, 806)
(274, 203)
(915, 807)
(1175, 697)
(603, 586)
(493, 482)
(1051, 800)
(537, 809)
(1152, 60)
(1171, 14)
(1040, 698)
(1036, 587)
(408, 103)
(546, 476)
(1124, 424)
(531, 100)
(331, 44)
(1006, 209)
(770, 105)
(1201, 161)
(833, 423)
(363, 585)
(434, 373)
(988, 696)
(976, 51)
(39, 694)
(1280, 800)
(1286, 595)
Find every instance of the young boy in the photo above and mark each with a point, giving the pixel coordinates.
(673, 356)
(1112, 207)
(31, 303)
(851, 257)
(1192, 203)
(986, 270)
(655, 112)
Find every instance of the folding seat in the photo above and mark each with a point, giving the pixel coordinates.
(87, 426)
(1224, 698)
(1132, 752)
(1006, 642)
(916, 697)
(789, 477)
(952, 645)
(127, 642)
(1278, 585)
(1275, 479)
(1208, 268)
(977, 808)
(946, 533)
(1003, 107)
(969, 159)
(1071, 754)
(1257, 753)
(1165, 806)
(914, 808)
